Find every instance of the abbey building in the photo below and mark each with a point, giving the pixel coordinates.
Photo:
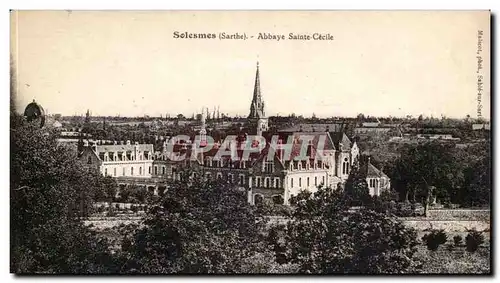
(277, 165)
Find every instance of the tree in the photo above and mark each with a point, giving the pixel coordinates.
(356, 187)
(195, 227)
(325, 236)
(425, 167)
(49, 192)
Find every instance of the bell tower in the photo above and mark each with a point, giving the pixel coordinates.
(257, 117)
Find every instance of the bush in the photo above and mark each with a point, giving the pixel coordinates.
(457, 240)
(473, 240)
(111, 212)
(100, 209)
(134, 208)
(434, 239)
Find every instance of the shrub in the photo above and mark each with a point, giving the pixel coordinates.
(111, 212)
(457, 240)
(434, 239)
(100, 209)
(473, 240)
(134, 208)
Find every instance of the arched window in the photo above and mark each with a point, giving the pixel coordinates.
(257, 181)
(276, 182)
(163, 170)
(268, 185)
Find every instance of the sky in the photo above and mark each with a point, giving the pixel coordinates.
(128, 63)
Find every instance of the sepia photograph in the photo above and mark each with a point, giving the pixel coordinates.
(250, 142)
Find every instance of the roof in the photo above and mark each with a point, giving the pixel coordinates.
(334, 127)
(123, 147)
(371, 171)
(340, 138)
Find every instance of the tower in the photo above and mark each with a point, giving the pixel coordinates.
(257, 116)
(203, 130)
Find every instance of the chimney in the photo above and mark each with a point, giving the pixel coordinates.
(234, 153)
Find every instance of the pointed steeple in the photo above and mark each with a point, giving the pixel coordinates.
(257, 106)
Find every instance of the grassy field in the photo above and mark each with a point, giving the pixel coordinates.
(456, 261)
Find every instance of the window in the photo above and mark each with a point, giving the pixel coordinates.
(123, 171)
(269, 166)
(315, 181)
(291, 182)
(323, 180)
(257, 181)
(140, 170)
(114, 172)
(132, 171)
(268, 185)
(156, 170)
(276, 182)
(149, 170)
(345, 166)
(300, 167)
(163, 170)
(300, 182)
(105, 171)
(308, 181)
(242, 179)
(89, 160)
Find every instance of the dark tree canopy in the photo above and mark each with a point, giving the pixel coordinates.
(195, 227)
(49, 192)
(325, 236)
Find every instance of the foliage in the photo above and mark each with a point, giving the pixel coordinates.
(473, 240)
(326, 236)
(434, 239)
(457, 240)
(356, 187)
(460, 176)
(195, 227)
(49, 192)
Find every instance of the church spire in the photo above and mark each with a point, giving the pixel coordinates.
(257, 106)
